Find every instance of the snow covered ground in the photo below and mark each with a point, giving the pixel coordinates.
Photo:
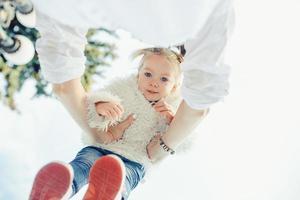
(246, 149)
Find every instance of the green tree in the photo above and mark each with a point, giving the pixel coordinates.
(99, 54)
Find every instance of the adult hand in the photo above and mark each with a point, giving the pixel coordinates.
(154, 150)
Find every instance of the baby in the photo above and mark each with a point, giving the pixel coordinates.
(114, 163)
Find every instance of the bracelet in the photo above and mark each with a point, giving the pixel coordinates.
(165, 147)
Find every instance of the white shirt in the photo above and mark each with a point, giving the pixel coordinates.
(157, 22)
(205, 74)
(205, 80)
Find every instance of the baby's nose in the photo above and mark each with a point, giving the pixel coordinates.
(154, 84)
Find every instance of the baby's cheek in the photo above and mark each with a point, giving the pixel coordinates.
(168, 90)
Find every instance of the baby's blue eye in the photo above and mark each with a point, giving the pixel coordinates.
(164, 79)
(147, 74)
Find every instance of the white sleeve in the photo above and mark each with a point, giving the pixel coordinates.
(205, 75)
(60, 50)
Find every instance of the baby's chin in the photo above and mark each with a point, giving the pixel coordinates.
(152, 98)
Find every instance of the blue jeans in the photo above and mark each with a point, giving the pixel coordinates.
(86, 158)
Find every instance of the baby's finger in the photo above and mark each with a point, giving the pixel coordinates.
(108, 115)
(113, 113)
(160, 103)
(157, 109)
(161, 109)
(118, 111)
(164, 106)
(102, 113)
(120, 107)
(167, 113)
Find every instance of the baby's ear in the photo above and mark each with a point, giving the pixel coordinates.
(174, 88)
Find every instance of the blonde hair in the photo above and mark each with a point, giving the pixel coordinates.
(171, 55)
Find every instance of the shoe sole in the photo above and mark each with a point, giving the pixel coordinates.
(52, 182)
(106, 179)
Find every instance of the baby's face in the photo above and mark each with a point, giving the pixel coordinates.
(157, 77)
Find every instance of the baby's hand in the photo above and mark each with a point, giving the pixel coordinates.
(110, 110)
(116, 132)
(164, 109)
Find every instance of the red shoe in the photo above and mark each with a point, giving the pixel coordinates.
(52, 182)
(106, 179)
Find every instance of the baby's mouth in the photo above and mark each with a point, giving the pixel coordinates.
(151, 92)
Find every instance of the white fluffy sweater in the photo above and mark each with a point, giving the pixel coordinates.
(137, 136)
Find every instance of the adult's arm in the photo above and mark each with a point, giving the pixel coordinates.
(73, 97)
(60, 51)
(205, 77)
(61, 56)
(184, 122)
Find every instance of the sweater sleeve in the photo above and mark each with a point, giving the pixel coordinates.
(94, 119)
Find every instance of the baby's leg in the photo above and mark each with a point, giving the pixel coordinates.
(59, 180)
(106, 179)
(53, 181)
(82, 164)
(135, 172)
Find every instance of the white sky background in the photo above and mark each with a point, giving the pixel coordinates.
(246, 149)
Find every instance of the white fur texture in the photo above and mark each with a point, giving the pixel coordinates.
(95, 120)
(148, 121)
